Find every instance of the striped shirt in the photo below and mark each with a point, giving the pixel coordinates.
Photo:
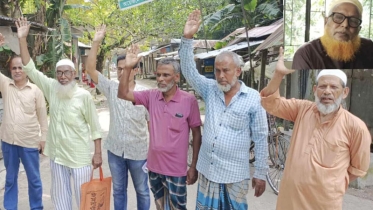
(228, 130)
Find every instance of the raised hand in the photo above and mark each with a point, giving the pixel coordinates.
(2, 40)
(192, 24)
(23, 27)
(132, 58)
(280, 66)
(100, 33)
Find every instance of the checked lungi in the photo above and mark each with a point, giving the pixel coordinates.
(216, 196)
(170, 192)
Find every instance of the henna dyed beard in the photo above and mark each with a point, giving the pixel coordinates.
(340, 50)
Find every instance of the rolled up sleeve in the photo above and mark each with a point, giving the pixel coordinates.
(360, 151)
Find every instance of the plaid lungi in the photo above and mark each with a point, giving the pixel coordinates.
(215, 196)
(170, 192)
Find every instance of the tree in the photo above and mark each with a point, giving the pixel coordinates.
(154, 22)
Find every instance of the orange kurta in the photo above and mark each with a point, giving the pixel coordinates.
(320, 155)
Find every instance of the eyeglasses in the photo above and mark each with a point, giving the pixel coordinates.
(338, 18)
(66, 73)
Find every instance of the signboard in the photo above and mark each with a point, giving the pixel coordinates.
(127, 4)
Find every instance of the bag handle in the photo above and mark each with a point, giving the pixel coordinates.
(101, 174)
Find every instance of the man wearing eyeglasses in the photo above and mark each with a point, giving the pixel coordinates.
(341, 46)
(73, 123)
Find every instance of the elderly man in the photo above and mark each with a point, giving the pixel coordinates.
(340, 47)
(329, 146)
(73, 122)
(173, 113)
(25, 116)
(127, 141)
(233, 117)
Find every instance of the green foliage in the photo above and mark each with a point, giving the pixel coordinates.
(220, 45)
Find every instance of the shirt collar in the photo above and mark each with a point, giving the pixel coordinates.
(175, 98)
(28, 84)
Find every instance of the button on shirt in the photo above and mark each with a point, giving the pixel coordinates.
(128, 133)
(25, 114)
(228, 130)
(170, 123)
(73, 122)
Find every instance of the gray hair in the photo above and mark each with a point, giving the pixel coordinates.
(170, 61)
(237, 60)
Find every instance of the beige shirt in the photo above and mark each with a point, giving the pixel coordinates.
(25, 114)
(321, 155)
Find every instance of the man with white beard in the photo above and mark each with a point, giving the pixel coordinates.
(173, 113)
(73, 123)
(329, 146)
(234, 117)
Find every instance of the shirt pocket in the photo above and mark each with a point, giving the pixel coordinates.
(71, 115)
(177, 124)
(236, 121)
(28, 106)
(136, 113)
(326, 152)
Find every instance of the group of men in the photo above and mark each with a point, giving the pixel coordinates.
(149, 129)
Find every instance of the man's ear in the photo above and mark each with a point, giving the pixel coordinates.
(346, 90)
(177, 77)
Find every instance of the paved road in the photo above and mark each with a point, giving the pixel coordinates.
(266, 202)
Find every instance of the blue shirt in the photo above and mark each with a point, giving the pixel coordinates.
(228, 130)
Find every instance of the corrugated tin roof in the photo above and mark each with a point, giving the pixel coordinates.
(258, 32)
(7, 21)
(235, 33)
(202, 43)
(231, 48)
(198, 43)
(151, 51)
(275, 39)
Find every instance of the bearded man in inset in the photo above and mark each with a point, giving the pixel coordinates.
(341, 46)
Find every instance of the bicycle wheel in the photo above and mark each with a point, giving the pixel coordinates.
(280, 147)
(277, 148)
(274, 176)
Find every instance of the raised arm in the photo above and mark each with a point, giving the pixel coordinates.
(91, 61)
(187, 63)
(42, 81)
(280, 72)
(124, 91)
(23, 28)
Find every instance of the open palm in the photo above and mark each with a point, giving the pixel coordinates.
(280, 66)
(192, 24)
(100, 33)
(132, 58)
(23, 27)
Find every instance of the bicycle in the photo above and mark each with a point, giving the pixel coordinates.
(278, 145)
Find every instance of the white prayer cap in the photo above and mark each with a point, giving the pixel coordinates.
(356, 3)
(65, 62)
(333, 72)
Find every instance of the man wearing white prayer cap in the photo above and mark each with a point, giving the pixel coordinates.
(329, 146)
(73, 124)
(341, 46)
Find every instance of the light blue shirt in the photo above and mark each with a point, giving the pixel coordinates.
(228, 130)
